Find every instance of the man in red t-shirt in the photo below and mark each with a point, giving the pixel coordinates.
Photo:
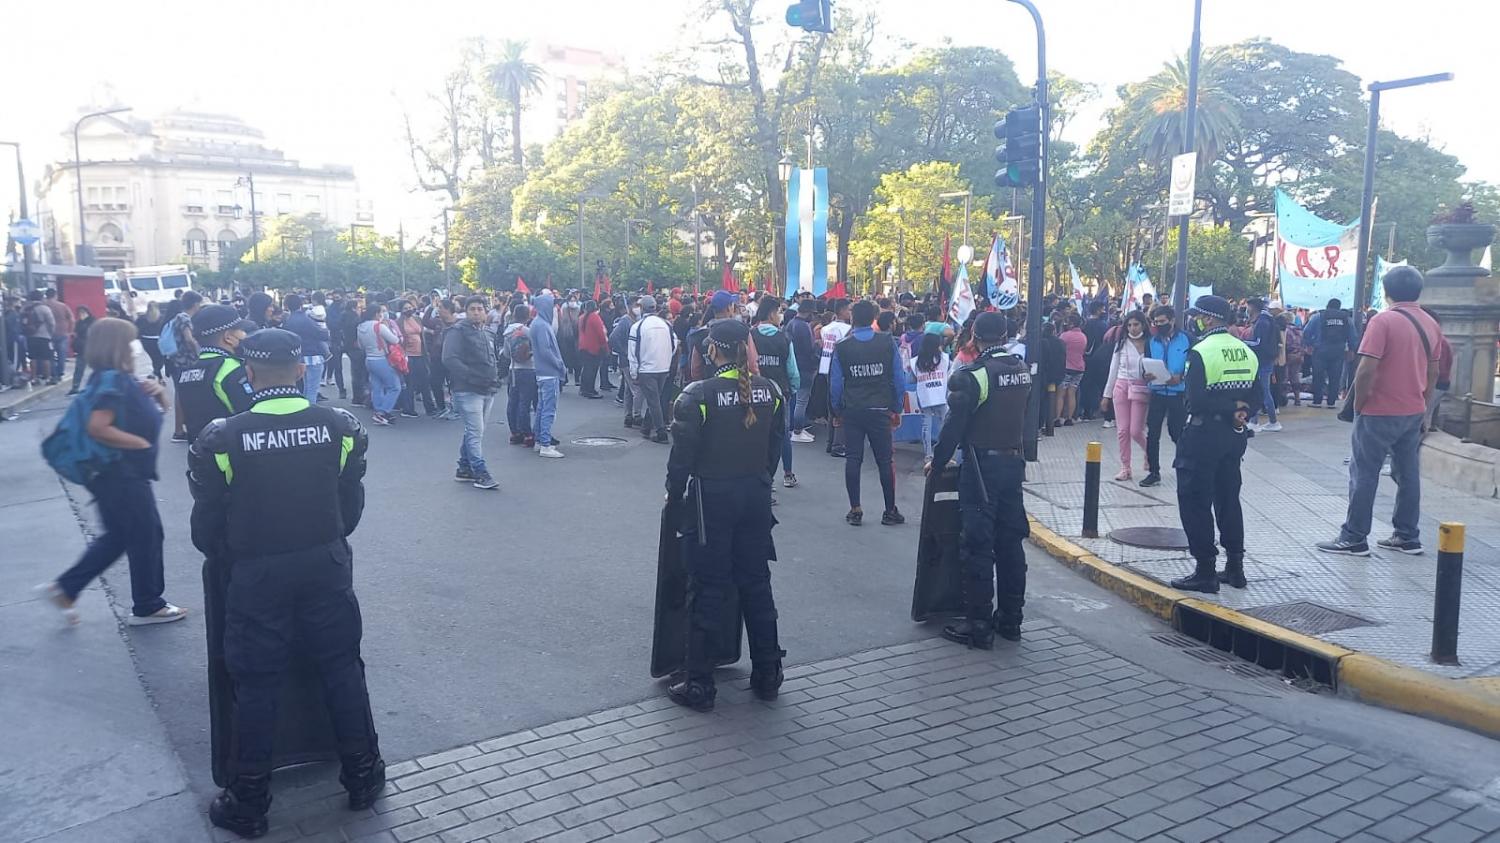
(1398, 371)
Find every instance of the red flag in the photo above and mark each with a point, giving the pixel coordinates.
(729, 283)
(596, 287)
(650, 288)
(521, 286)
(752, 285)
(609, 285)
(837, 291)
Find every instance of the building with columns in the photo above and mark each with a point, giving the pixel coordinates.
(175, 189)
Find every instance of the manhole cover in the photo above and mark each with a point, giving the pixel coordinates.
(1164, 538)
(1307, 617)
(598, 441)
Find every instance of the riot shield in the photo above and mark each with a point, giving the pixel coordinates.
(304, 733)
(939, 588)
(674, 604)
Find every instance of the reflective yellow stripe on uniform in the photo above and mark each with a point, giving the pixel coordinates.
(229, 365)
(982, 377)
(225, 467)
(346, 445)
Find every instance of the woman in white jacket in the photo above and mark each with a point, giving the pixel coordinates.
(1127, 390)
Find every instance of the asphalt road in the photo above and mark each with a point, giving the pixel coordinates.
(488, 612)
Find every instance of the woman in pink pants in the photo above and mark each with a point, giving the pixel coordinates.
(1127, 389)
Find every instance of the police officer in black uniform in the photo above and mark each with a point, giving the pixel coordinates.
(986, 416)
(727, 435)
(276, 491)
(1332, 332)
(214, 386)
(1222, 394)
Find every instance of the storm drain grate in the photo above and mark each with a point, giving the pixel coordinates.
(1307, 617)
(1232, 664)
(599, 441)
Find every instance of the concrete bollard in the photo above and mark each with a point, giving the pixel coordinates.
(1093, 455)
(1449, 592)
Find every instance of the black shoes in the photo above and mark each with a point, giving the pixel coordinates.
(855, 517)
(363, 777)
(660, 438)
(1203, 579)
(972, 634)
(464, 475)
(690, 693)
(1233, 574)
(241, 807)
(891, 517)
(631, 421)
(1152, 479)
(1007, 626)
(766, 679)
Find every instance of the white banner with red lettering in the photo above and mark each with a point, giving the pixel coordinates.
(1316, 258)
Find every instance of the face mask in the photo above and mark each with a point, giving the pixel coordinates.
(1164, 330)
(1134, 331)
(636, 311)
(1199, 326)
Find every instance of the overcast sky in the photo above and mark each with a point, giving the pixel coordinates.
(327, 81)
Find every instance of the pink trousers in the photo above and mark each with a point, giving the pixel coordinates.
(1131, 399)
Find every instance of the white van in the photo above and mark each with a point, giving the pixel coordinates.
(158, 284)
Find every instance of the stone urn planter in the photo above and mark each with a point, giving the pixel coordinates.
(1460, 240)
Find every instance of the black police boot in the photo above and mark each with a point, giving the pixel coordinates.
(1006, 625)
(241, 807)
(1233, 574)
(363, 777)
(766, 678)
(1204, 578)
(694, 694)
(971, 633)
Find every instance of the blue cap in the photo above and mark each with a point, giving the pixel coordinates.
(722, 299)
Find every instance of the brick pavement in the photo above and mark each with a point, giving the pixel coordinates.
(1295, 494)
(1049, 740)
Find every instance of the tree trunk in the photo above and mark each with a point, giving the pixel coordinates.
(845, 228)
(515, 130)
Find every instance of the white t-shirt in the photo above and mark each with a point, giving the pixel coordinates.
(833, 334)
(932, 386)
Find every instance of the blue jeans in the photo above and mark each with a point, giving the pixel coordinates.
(312, 377)
(473, 408)
(520, 401)
(932, 425)
(786, 444)
(546, 409)
(385, 384)
(132, 526)
(1267, 400)
(1375, 437)
(799, 405)
(60, 345)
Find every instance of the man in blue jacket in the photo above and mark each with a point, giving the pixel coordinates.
(1170, 346)
(867, 385)
(314, 344)
(547, 355)
(1266, 343)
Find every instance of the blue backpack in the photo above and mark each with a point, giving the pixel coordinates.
(75, 455)
(167, 342)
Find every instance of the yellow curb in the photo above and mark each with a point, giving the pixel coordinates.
(1472, 704)
(1279, 634)
(1374, 680)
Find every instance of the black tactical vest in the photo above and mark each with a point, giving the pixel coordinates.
(213, 387)
(868, 379)
(771, 355)
(726, 448)
(1335, 329)
(1004, 384)
(284, 459)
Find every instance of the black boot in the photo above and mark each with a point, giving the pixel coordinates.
(364, 777)
(241, 807)
(766, 678)
(694, 694)
(1204, 578)
(1233, 574)
(1007, 626)
(971, 633)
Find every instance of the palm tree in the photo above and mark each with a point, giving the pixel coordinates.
(515, 78)
(1160, 110)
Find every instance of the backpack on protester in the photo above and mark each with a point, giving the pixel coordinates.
(167, 342)
(75, 455)
(30, 322)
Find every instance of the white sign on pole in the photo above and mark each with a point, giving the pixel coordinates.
(25, 232)
(1184, 174)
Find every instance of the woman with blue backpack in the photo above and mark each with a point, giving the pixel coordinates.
(107, 442)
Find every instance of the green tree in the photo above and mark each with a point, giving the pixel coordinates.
(1219, 256)
(908, 209)
(515, 78)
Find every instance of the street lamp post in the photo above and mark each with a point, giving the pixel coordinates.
(1362, 260)
(249, 179)
(447, 274)
(625, 262)
(25, 215)
(900, 248)
(80, 249)
(1189, 141)
(784, 172)
(967, 195)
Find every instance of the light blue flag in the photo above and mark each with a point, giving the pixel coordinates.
(820, 231)
(793, 237)
(1316, 257)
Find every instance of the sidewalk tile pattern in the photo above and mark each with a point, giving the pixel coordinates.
(1294, 495)
(1051, 739)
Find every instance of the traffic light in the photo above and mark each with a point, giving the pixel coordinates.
(1021, 153)
(811, 15)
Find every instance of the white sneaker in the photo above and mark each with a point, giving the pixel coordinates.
(165, 614)
(803, 437)
(1109, 425)
(53, 593)
(1273, 427)
(550, 452)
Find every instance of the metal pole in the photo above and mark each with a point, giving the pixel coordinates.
(580, 243)
(447, 273)
(351, 239)
(25, 215)
(1189, 141)
(1034, 293)
(698, 243)
(900, 257)
(967, 197)
(1362, 260)
(1091, 459)
(1448, 592)
(254, 220)
(80, 247)
(401, 246)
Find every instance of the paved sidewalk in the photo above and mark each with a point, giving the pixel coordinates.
(1294, 495)
(1049, 740)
